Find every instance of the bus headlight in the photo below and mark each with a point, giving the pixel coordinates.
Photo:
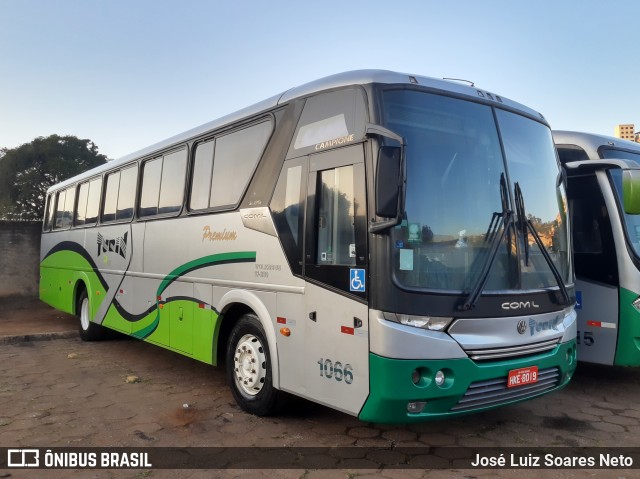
(432, 323)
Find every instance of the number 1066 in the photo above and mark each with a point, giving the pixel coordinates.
(336, 370)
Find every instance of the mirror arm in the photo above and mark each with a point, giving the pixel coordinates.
(373, 129)
(377, 226)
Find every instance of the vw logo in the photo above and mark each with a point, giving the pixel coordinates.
(522, 326)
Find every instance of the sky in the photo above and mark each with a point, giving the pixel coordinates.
(129, 73)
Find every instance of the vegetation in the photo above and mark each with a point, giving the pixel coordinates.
(26, 172)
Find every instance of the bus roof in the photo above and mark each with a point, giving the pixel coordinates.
(591, 142)
(356, 77)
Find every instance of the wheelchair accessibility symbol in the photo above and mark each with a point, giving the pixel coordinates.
(356, 280)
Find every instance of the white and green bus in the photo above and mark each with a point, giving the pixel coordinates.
(602, 172)
(392, 246)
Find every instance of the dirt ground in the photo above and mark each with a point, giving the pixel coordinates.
(64, 392)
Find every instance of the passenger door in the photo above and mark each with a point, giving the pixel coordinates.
(597, 279)
(335, 268)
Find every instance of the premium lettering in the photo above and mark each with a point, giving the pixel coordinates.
(223, 235)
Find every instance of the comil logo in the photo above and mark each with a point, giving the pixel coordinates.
(23, 458)
(520, 305)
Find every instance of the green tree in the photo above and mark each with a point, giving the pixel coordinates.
(26, 172)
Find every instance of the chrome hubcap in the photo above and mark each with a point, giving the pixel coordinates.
(250, 364)
(84, 314)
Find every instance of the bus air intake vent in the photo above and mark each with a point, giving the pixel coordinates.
(512, 351)
(493, 392)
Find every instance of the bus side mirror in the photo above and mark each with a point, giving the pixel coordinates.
(631, 191)
(389, 181)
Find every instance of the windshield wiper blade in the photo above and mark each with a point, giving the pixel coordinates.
(522, 221)
(506, 220)
(527, 225)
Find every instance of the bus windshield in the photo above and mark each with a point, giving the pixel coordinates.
(459, 189)
(610, 153)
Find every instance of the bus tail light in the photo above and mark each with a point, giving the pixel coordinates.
(432, 323)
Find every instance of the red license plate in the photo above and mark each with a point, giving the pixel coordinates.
(520, 377)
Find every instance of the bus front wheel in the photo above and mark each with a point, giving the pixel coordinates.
(89, 331)
(249, 368)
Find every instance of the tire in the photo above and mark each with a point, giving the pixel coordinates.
(249, 368)
(89, 331)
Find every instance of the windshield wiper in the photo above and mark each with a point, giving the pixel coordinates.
(522, 221)
(527, 226)
(506, 220)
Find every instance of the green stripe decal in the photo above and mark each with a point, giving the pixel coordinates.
(211, 260)
(144, 332)
(628, 348)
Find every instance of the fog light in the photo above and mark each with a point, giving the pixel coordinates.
(570, 356)
(440, 378)
(416, 407)
(415, 376)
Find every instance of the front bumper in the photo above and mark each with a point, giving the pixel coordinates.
(392, 387)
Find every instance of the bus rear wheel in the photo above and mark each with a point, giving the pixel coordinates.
(249, 368)
(89, 331)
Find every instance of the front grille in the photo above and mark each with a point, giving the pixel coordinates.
(511, 351)
(495, 391)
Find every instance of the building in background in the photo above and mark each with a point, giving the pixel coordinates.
(626, 131)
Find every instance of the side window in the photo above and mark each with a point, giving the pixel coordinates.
(151, 173)
(592, 232)
(163, 184)
(293, 205)
(201, 179)
(59, 210)
(330, 120)
(174, 168)
(67, 217)
(64, 208)
(81, 206)
(127, 193)
(93, 201)
(223, 167)
(568, 153)
(111, 197)
(234, 161)
(336, 217)
(48, 218)
(287, 207)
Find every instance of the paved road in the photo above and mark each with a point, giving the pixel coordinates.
(66, 392)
